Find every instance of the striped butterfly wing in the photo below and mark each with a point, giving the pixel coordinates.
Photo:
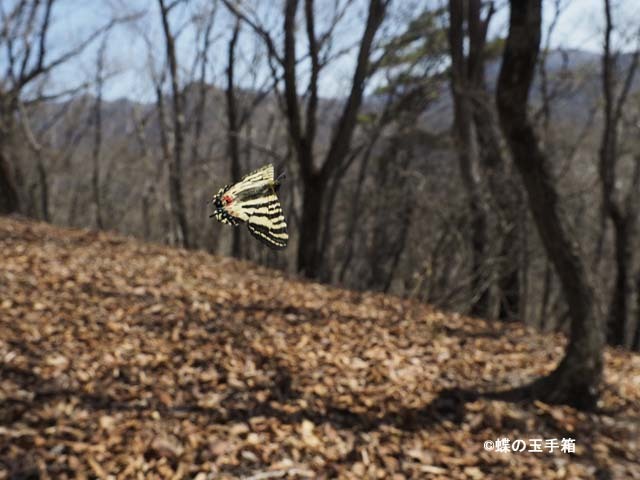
(262, 174)
(253, 200)
(252, 185)
(231, 201)
(267, 223)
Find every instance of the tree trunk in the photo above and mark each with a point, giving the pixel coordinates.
(480, 275)
(146, 222)
(504, 196)
(400, 245)
(622, 290)
(9, 201)
(326, 266)
(165, 148)
(468, 156)
(509, 281)
(577, 378)
(44, 188)
(73, 207)
(97, 144)
(175, 166)
(635, 345)
(547, 285)
(355, 210)
(309, 258)
(622, 212)
(233, 146)
(315, 180)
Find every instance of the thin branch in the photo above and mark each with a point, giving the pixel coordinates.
(266, 36)
(312, 106)
(43, 68)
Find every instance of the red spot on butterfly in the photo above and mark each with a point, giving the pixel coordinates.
(227, 199)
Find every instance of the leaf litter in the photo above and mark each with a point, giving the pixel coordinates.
(123, 359)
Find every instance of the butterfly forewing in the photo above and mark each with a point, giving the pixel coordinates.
(252, 184)
(265, 174)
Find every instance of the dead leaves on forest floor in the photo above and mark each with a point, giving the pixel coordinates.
(120, 359)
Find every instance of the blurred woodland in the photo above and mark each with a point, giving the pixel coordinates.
(460, 158)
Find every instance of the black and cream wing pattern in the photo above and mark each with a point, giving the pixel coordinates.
(254, 200)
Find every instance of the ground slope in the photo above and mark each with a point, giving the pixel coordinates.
(132, 360)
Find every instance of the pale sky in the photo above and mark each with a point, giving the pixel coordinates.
(579, 27)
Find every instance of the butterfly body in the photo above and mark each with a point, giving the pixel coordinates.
(253, 200)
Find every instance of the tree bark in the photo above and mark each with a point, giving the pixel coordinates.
(577, 378)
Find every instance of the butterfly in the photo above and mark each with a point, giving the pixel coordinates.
(253, 200)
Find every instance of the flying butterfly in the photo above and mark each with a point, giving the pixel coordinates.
(253, 200)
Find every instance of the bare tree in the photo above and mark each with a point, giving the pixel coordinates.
(621, 208)
(233, 130)
(462, 75)
(483, 169)
(24, 30)
(395, 206)
(97, 134)
(26, 24)
(315, 180)
(203, 59)
(577, 378)
(165, 148)
(178, 209)
(548, 94)
(302, 118)
(38, 150)
(149, 189)
(77, 126)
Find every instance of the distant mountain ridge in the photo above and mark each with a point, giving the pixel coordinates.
(576, 71)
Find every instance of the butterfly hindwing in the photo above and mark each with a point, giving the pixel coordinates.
(267, 223)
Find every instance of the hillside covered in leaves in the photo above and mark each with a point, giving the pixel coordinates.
(123, 359)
